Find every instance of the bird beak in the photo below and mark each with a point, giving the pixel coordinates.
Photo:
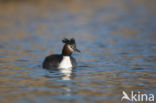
(77, 50)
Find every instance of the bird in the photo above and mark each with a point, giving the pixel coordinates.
(63, 60)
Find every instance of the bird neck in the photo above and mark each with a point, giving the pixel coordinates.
(66, 51)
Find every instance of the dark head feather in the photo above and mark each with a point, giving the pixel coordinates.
(67, 41)
(72, 41)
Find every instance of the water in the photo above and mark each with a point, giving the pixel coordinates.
(116, 38)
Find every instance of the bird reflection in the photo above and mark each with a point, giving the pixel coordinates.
(66, 73)
(67, 91)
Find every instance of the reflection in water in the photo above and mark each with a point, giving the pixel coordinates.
(66, 73)
(117, 39)
(67, 91)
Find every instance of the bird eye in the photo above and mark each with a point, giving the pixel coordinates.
(72, 46)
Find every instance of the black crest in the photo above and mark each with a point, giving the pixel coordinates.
(67, 41)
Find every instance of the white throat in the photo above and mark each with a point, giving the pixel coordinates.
(65, 63)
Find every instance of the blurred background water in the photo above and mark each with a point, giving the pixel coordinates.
(117, 39)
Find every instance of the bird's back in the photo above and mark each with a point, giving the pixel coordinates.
(52, 61)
